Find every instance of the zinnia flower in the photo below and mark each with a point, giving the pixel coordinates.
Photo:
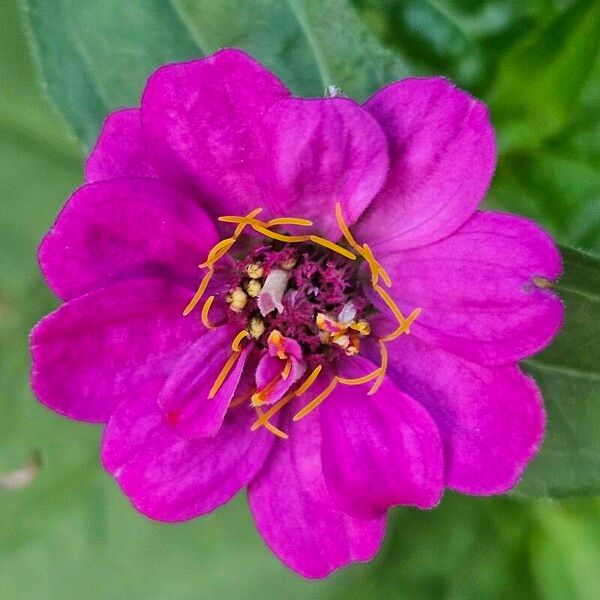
(350, 340)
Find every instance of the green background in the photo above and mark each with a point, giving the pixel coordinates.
(71, 534)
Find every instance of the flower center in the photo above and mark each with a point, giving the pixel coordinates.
(298, 292)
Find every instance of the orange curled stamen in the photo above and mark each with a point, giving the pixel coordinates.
(309, 380)
(382, 370)
(262, 228)
(223, 374)
(331, 246)
(272, 411)
(218, 251)
(289, 221)
(237, 340)
(314, 403)
(344, 228)
(270, 426)
(199, 292)
(360, 380)
(404, 326)
(205, 310)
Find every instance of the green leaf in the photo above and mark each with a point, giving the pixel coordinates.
(568, 373)
(96, 56)
(310, 44)
(541, 78)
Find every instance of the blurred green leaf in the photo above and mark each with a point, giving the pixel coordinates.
(96, 56)
(310, 44)
(568, 373)
(540, 79)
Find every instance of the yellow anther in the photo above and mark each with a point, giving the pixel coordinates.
(404, 326)
(289, 221)
(199, 292)
(218, 251)
(205, 309)
(270, 426)
(257, 327)
(273, 410)
(331, 246)
(223, 374)
(237, 340)
(314, 403)
(382, 369)
(237, 299)
(255, 270)
(253, 288)
(359, 380)
(362, 327)
(309, 380)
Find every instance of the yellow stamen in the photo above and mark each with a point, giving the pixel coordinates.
(314, 403)
(261, 228)
(360, 380)
(309, 380)
(286, 370)
(404, 326)
(344, 228)
(205, 320)
(218, 251)
(199, 293)
(223, 374)
(270, 426)
(237, 340)
(273, 410)
(390, 304)
(375, 267)
(289, 221)
(242, 221)
(382, 369)
(331, 246)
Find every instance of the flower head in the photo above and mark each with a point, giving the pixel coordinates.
(299, 296)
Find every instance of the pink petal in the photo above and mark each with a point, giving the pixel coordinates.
(114, 344)
(379, 450)
(477, 292)
(296, 515)
(170, 478)
(202, 126)
(184, 397)
(442, 157)
(491, 420)
(119, 151)
(322, 152)
(121, 229)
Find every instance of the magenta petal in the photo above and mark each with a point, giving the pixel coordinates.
(171, 478)
(114, 344)
(380, 450)
(119, 151)
(184, 397)
(296, 515)
(477, 292)
(322, 152)
(491, 420)
(125, 228)
(442, 157)
(202, 126)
